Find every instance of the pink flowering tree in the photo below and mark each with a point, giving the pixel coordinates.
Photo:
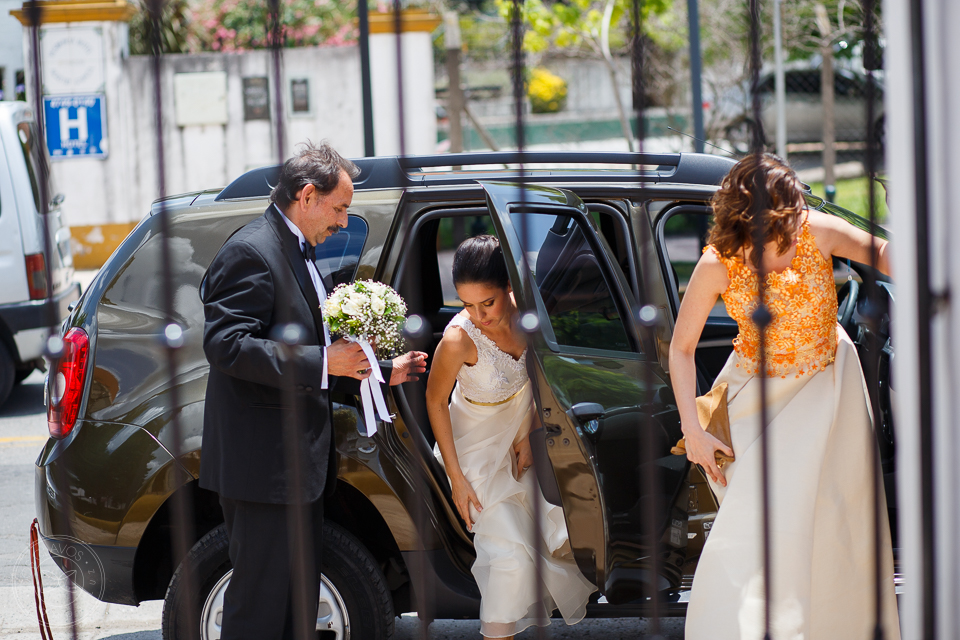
(238, 25)
(191, 26)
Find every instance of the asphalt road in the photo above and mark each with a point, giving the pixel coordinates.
(23, 431)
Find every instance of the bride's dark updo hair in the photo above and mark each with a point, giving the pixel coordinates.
(479, 260)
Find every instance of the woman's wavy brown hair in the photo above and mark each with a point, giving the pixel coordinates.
(761, 193)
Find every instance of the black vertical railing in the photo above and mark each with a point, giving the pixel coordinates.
(54, 347)
(871, 315)
(518, 74)
(925, 305)
(649, 318)
(423, 586)
(172, 338)
(761, 316)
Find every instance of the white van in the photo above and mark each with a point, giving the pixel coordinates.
(25, 319)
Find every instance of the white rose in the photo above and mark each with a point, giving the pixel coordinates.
(378, 288)
(352, 305)
(378, 305)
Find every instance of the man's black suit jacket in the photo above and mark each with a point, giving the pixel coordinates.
(257, 281)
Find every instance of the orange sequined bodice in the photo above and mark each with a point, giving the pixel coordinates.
(802, 337)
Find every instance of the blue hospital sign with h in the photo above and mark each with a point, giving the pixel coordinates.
(75, 126)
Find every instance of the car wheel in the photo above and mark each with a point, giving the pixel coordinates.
(7, 373)
(354, 599)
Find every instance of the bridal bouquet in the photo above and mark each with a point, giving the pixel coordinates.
(371, 314)
(370, 311)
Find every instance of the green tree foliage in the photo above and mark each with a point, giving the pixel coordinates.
(575, 26)
(175, 28)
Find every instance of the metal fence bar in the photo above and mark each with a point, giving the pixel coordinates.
(423, 585)
(300, 532)
(172, 338)
(872, 313)
(761, 317)
(518, 77)
(925, 302)
(649, 318)
(54, 346)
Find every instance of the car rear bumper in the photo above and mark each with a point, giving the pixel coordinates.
(103, 571)
(32, 314)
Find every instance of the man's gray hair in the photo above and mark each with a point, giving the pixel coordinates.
(316, 164)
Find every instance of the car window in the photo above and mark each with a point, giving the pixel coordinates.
(32, 156)
(339, 254)
(573, 283)
(451, 232)
(684, 237)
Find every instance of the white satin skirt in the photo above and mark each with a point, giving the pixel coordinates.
(820, 444)
(505, 569)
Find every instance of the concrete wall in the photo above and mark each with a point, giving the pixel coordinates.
(419, 102)
(211, 155)
(106, 197)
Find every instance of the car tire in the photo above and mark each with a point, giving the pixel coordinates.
(22, 374)
(8, 373)
(354, 598)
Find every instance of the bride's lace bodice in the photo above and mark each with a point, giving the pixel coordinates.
(496, 376)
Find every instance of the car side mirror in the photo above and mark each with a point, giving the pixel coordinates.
(588, 414)
(587, 411)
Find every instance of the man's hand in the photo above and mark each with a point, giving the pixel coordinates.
(346, 359)
(524, 456)
(406, 368)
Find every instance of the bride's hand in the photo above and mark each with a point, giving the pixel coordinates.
(524, 456)
(701, 448)
(463, 497)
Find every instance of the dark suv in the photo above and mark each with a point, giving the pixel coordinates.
(583, 245)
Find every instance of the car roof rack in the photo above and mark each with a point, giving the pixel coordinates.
(398, 172)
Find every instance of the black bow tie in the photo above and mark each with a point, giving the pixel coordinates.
(309, 252)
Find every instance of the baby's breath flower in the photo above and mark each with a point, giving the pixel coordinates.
(368, 310)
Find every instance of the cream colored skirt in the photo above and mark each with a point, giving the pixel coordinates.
(504, 531)
(822, 520)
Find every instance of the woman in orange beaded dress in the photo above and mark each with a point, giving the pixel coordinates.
(819, 430)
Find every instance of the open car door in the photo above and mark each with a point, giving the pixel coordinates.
(608, 415)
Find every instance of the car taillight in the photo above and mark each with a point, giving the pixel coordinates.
(36, 275)
(65, 385)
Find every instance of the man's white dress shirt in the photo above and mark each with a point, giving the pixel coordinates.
(317, 284)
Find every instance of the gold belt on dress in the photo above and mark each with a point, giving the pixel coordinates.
(492, 404)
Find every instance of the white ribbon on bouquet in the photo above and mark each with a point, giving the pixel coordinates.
(370, 392)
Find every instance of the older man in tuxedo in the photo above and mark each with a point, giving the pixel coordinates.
(265, 277)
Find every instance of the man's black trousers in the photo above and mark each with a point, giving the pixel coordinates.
(258, 604)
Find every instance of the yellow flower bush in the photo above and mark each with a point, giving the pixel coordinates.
(547, 91)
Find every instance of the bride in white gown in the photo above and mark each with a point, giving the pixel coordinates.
(482, 441)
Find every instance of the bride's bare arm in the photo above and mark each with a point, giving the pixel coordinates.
(708, 281)
(454, 350)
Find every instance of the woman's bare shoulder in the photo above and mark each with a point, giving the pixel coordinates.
(824, 223)
(711, 264)
(831, 232)
(457, 345)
